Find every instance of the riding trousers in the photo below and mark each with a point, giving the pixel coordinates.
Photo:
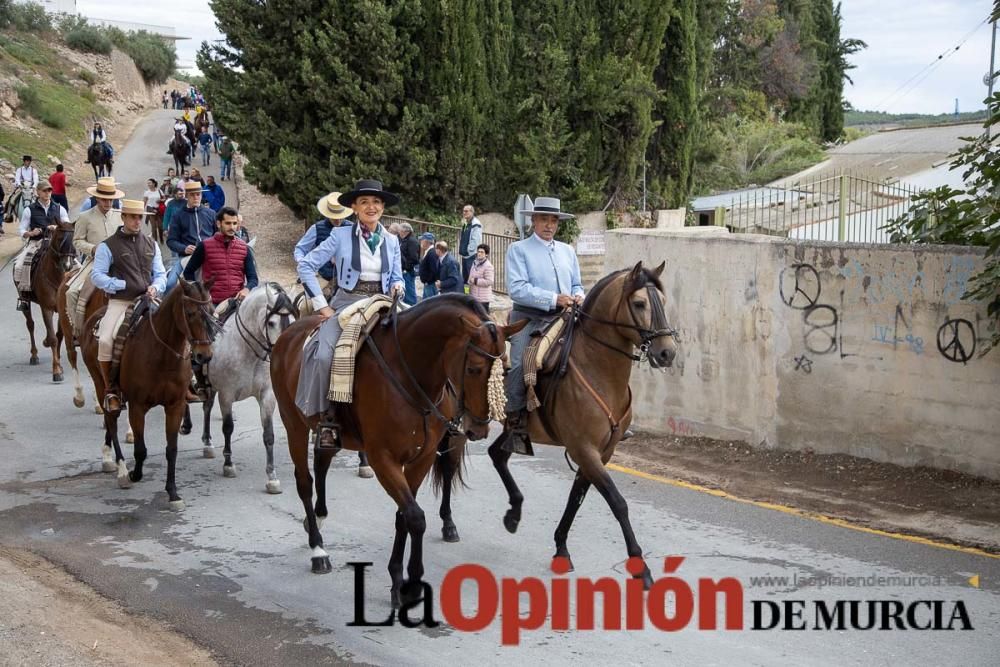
(77, 293)
(109, 324)
(517, 393)
(317, 358)
(22, 278)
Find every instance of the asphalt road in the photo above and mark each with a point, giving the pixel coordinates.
(232, 570)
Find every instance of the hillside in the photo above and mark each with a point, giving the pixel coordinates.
(879, 119)
(50, 96)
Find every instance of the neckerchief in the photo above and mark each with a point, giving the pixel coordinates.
(371, 238)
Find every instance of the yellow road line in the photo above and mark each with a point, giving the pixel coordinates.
(805, 514)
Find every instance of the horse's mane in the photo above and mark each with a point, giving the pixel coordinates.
(212, 326)
(451, 298)
(645, 276)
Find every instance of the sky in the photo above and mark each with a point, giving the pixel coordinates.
(903, 36)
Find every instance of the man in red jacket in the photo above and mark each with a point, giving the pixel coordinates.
(226, 258)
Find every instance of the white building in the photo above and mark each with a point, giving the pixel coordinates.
(69, 7)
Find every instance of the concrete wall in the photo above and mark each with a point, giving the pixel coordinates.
(863, 350)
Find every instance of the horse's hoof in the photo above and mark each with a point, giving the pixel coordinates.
(365, 472)
(207, 452)
(108, 466)
(57, 377)
(177, 505)
(449, 534)
(134, 477)
(78, 402)
(98, 410)
(184, 430)
(647, 579)
(410, 592)
(394, 598)
(321, 565)
(125, 481)
(33, 361)
(511, 521)
(228, 471)
(130, 437)
(273, 486)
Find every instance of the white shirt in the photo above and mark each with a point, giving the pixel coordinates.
(152, 198)
(26, 177)
(26, 217)
(371, 262)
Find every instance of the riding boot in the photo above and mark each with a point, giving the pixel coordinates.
(198, 390)
(328, 436)
(517, 441)
(22, 305)
(112, 400)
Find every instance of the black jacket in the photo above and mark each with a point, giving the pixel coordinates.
(409, 250)
(430, 266)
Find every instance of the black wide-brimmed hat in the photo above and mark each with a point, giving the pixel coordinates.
(367, 186)
(25, 157)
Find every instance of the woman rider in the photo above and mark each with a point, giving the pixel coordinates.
(99, 136)
(368, 263)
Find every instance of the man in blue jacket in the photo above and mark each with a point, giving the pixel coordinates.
(188, 227)
(214, 195)
(450, 277)
(333, 216)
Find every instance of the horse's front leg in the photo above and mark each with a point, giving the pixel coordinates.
(228, 469)
(207, 449)
(175, 413)
(53, 341)
(416, 525)
(321, 465)
(500, 457)
(576, 495)
(29, 322)
(185, 426)
(267, 404)
(78, 399)
(446, 468)
(137, 420)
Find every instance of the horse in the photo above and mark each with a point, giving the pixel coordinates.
(587, 411)
(16, 203)
(181, 151)
(155, 369)
(56, 256)
(424, 371)
(100, 159)
(240, 368)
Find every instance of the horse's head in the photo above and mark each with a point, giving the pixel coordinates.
(61, 245)
(636, 312)
(194, 310)
(484, 357)
(279, 312)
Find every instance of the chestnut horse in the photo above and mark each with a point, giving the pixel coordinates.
(425, 371)
(589, 408)
(155, 369)
(57, 256)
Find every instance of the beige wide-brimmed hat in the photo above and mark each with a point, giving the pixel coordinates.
(133, 207)
(106, 188)
(192, 186)
(331, 209)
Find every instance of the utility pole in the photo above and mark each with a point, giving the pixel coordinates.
(992, 72)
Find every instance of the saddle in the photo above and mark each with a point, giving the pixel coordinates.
(356, 321)
(546, 352)
(126, 326)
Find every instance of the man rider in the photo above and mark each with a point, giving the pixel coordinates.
(37, 218)
(99, 136)
(91, 228)
(543, 276)
(333, 213)
(188, 227)
(26, 178)
(126, 266)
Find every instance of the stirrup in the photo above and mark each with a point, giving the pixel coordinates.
(517, 440)
(22, 306)
(112, 396)
(328, 433)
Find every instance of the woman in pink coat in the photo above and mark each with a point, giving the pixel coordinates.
(481, 277)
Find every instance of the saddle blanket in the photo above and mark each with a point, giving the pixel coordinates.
(540, 350)
(356, 321)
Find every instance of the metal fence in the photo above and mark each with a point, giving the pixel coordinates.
(498, 244)
(842, 208)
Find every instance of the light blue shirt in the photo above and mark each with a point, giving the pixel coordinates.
(538, 272)
(102, 264)
(305, 244)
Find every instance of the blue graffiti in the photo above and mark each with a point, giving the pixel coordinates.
(886, 336)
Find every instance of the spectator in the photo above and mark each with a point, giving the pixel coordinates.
(429, 265)
(226, 152)
(215, 196)
(481, 277)
(151, 197)
(450, 277)
(409, 251)
(394, 229)
(205, 144)
(470, 238)
(58, 181)
(173, 206)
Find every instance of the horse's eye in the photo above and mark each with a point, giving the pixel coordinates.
(473, 370)
(640, 304)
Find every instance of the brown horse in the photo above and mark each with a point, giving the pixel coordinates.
(589, 408)
(155, 370)
(56, 258)
(424, 372)
(97, 302)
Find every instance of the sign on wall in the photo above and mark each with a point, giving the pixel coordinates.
(590, 243)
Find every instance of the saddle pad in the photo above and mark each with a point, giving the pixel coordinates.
(539, 350)
(356, 321)
(121, 333)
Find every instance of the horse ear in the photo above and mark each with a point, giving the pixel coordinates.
(636, 271)
(659, 270)
(269, 292)
(512, 329)
(208, 284)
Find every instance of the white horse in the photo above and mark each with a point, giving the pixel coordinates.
(241, 368)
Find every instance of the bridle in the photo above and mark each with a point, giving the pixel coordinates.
(282, 307)
(658, 320)
(423, 403)
(58, 251)
(189, 337)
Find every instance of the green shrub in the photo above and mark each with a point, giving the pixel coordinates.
(30, 17)
(88, 95)
(33, 104)
(88, 39)
(155, 59)
(88, 76)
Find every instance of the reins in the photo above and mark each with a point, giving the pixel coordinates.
(264, 348)
(188, 336)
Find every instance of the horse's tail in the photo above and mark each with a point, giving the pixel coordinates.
(449, 463)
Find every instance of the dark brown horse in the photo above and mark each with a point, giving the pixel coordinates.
(56, 258)
(421, 374)
(156, 370)
(181, 150)
(99, 159)
(589, 408)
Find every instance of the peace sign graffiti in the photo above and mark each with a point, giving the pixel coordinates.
(956, 340)
(799, 286)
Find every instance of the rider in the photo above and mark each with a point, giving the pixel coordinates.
(368, 263)
(26, 177)
(188, 227)
(228, 259)
(35, 221)
(99, 136)
(543, 276)
(126, 266)
(92, 227)
(333, 213)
